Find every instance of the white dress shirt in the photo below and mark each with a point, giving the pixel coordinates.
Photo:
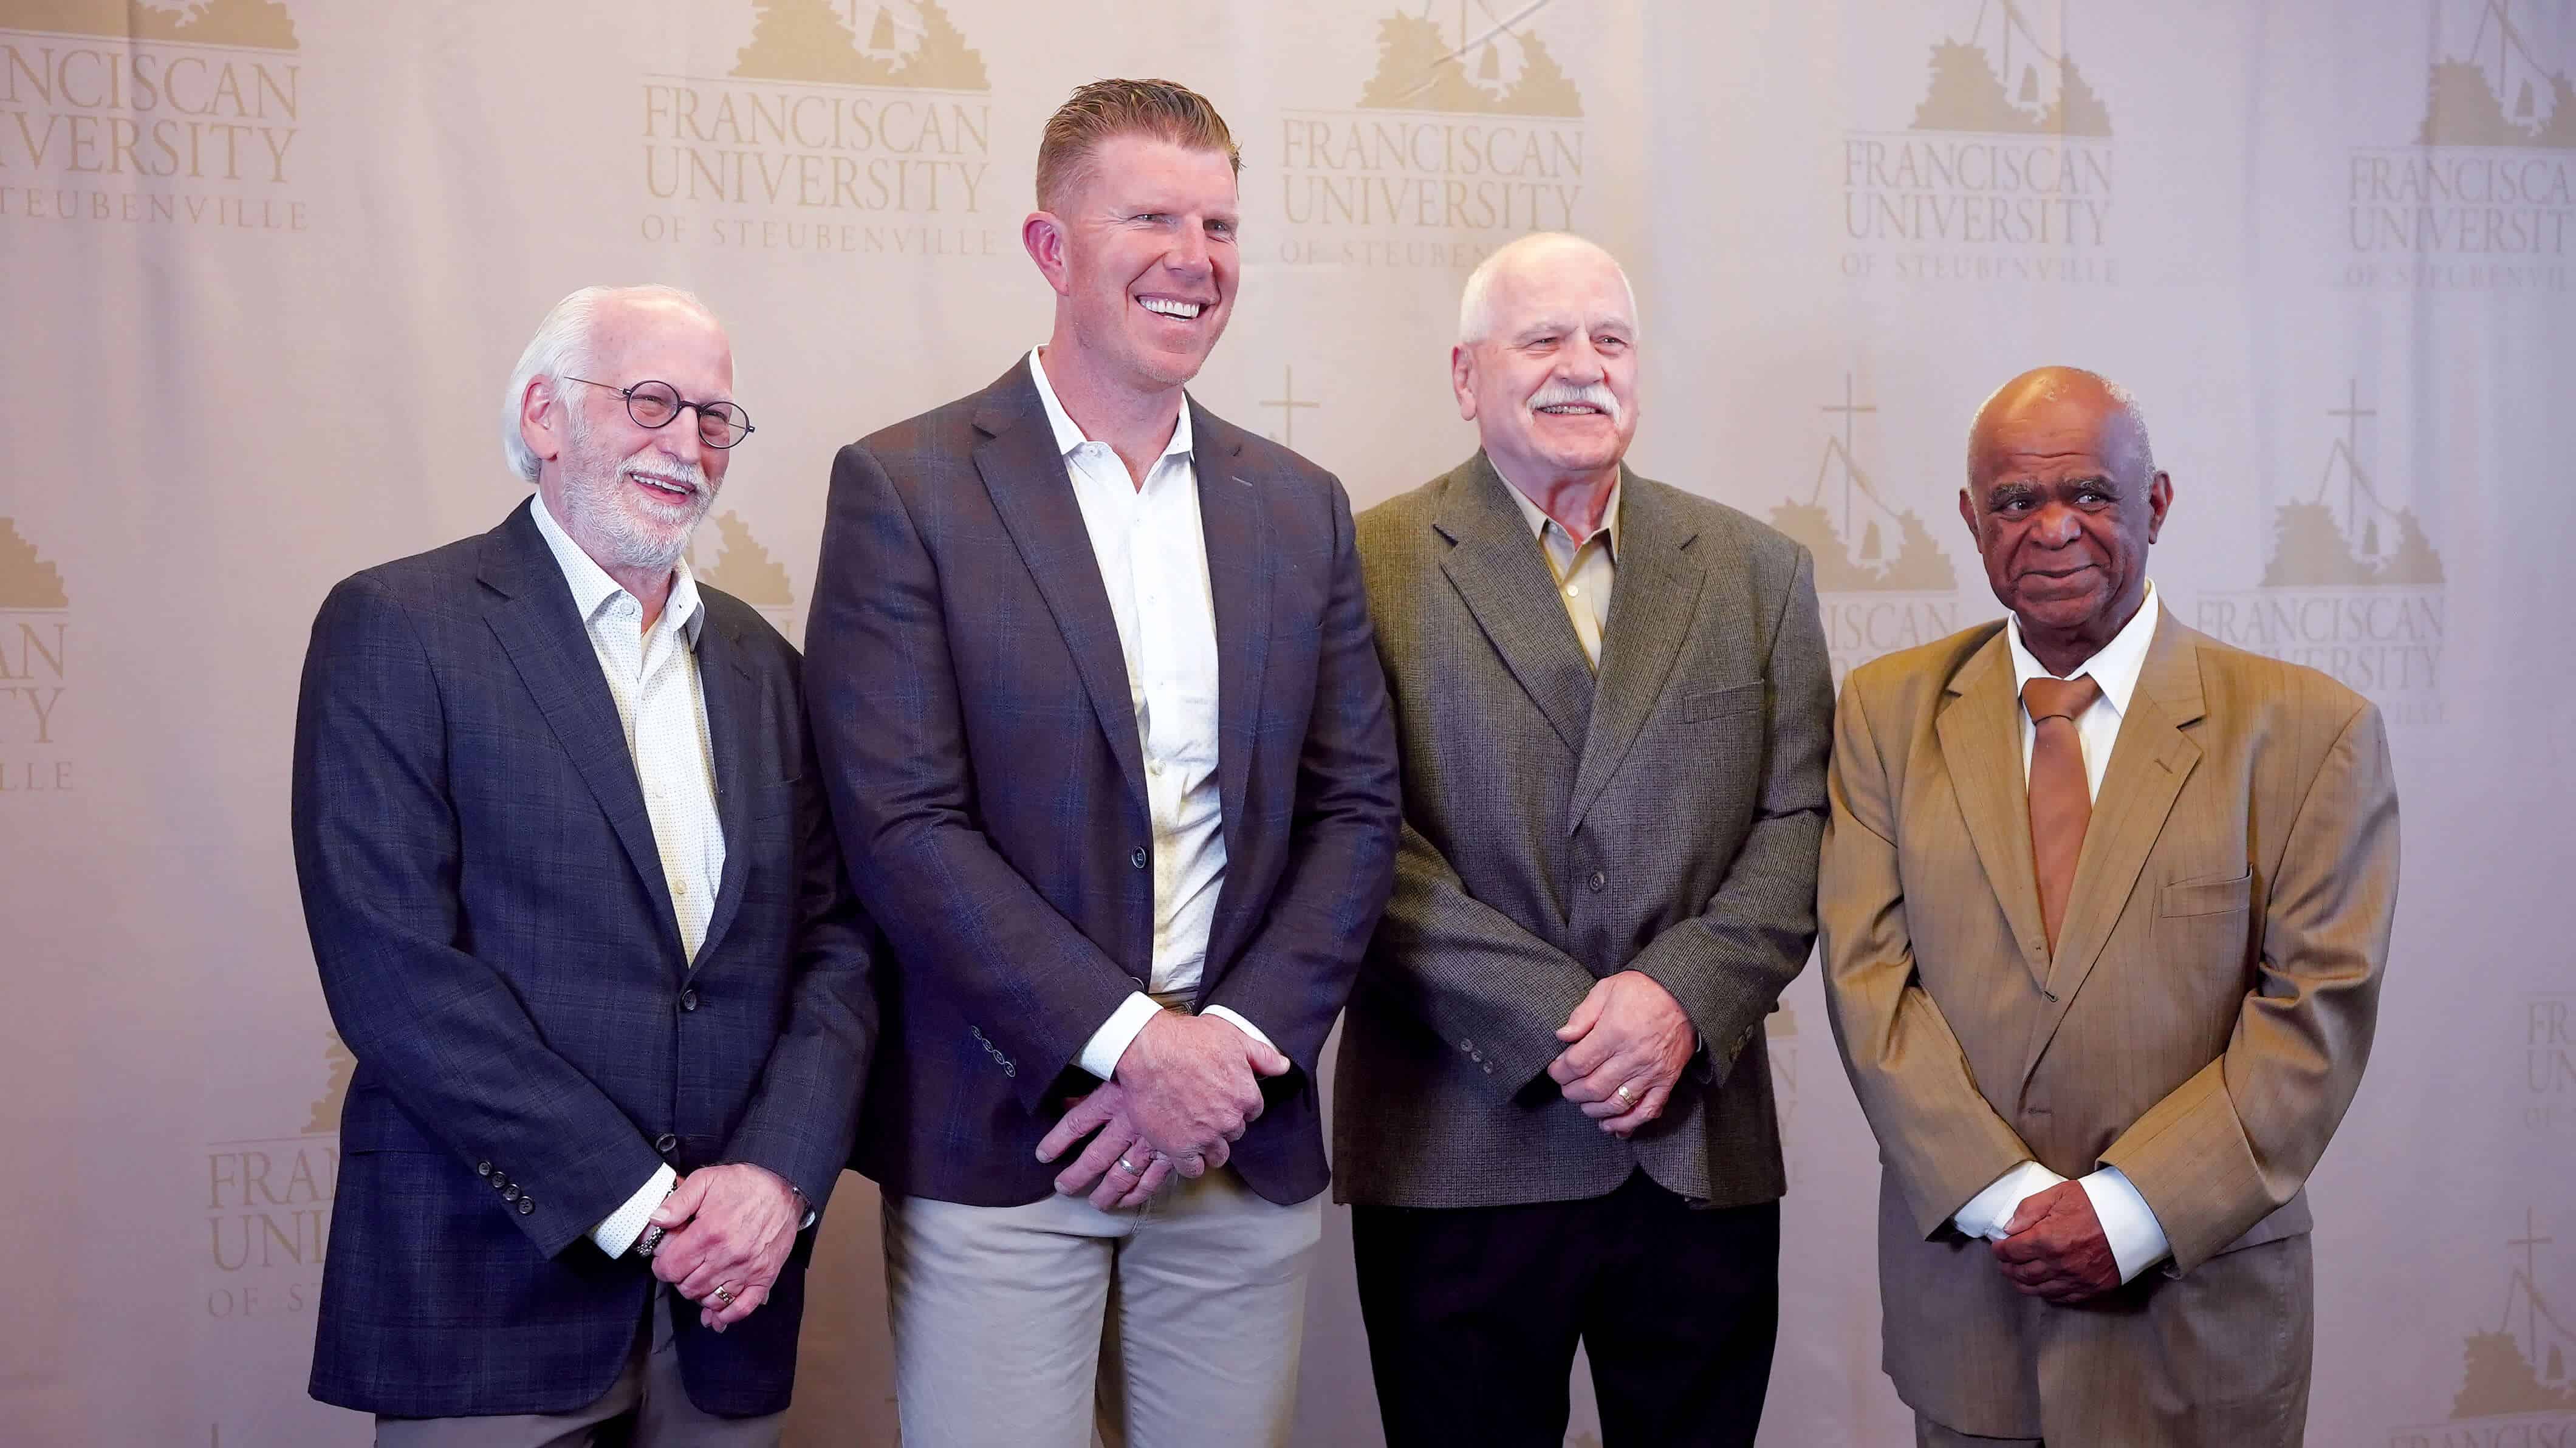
(1152, 553)
(1585, 568)
(653, 675)
(2137, 1239)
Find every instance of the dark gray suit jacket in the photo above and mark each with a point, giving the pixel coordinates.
(1557, 829)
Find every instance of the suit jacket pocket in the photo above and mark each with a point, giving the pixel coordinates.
(1722, 700)
(775, 798)
(2206, 897)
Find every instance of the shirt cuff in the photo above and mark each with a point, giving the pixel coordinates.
(2137, 1239)
(1100, 1055)
(1239, 1023)
(627, 1223)
(1988, 1211)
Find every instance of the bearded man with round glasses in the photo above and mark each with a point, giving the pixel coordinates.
(578, 911)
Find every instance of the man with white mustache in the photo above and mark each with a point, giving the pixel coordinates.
(578, 911)
(1553, 1115)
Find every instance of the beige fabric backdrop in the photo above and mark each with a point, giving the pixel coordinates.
(264, 265)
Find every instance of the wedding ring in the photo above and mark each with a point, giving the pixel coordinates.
(1624, 1098)
(724, 1294)
(1128, 1167)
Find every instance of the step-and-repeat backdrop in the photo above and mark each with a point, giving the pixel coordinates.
(264, 265)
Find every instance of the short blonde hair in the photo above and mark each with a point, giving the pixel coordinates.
(1165, 110)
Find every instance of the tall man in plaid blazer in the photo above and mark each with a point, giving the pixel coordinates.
(1108, 747)
(578, 911)
(1554, 1111)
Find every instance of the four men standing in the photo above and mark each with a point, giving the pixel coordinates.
(1111, 751)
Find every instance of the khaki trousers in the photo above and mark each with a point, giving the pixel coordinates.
(1175, 1325)
(645, 1408)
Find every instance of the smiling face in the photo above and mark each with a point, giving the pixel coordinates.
(1551, 382)
(630, 495)
(2064, 500)
(1143, 260)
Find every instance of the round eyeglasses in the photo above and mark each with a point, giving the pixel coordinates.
(654, 404)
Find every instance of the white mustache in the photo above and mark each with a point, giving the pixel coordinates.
(1592, 394)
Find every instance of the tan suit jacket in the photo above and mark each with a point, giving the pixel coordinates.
(2202, 1025)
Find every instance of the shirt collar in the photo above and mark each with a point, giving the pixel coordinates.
(2114, 666)
(592, 588)
(1068, 437)
(1540, 522)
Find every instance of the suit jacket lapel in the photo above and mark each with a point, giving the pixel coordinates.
(1025, 476)
(733, 718)
(1652, 603)
(1239, 562)
(1498, 570)
(539, 629)
(2150, 760)
(1980, 733)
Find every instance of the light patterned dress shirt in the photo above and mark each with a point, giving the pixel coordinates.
(2137, 1239)
(1584, 567)
(1152, 552)
(653, 675)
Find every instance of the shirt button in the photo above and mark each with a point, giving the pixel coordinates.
(688, 1000)
(1153, 766)
(1574, 590)
(1139, 859)
(1599, 881)
(680, 889)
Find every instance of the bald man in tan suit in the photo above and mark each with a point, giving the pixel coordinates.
(2104, 906)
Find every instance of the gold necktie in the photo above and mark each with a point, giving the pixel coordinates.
(2061, 801)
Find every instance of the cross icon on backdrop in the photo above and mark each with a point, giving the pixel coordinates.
(1287, 402)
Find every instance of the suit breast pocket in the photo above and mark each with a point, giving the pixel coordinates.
(2206, 919)
(775, 798)
(1722, 701)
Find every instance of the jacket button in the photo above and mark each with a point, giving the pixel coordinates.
(1465, 1044)
(500, 1183)
(483, 1168)
(688, 1000)
(1139, 858)
(509, 1194)
(1599, 882)
(527, 1206)
(666, 1143)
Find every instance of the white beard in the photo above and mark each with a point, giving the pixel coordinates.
(609, 516)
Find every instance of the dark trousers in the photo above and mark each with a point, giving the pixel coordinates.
(1473, 1314)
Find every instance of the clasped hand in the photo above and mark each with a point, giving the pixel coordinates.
(728, 1227)
(1186, 1090)
(1628, 1033)
(2054, 1247)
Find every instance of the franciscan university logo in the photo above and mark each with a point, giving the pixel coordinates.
(2351, 585)
(35, 672)
(744, 569)
(150, 113)
(837, 126)
(2483, 198)
(267, 1205)
(2004, 173)
(1466, 134)
(1882, 582)
(2516, 1390)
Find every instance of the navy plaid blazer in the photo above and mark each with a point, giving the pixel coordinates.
(971, 711)
(498, 948)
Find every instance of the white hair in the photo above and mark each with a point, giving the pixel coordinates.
(1476, 303)
(567, 343)
(2053, 384)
